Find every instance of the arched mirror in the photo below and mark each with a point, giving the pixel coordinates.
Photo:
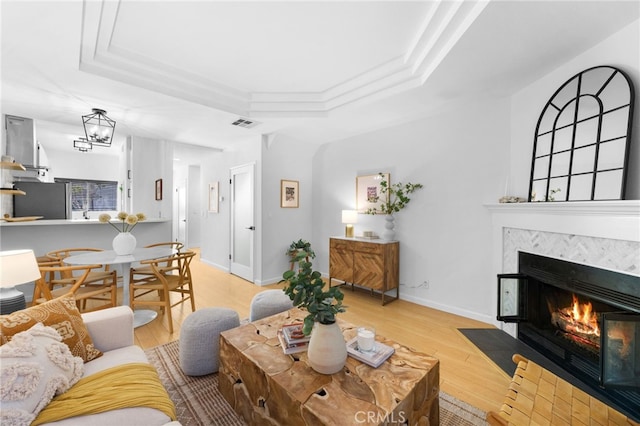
(581, 145)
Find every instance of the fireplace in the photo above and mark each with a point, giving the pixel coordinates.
(583, 318)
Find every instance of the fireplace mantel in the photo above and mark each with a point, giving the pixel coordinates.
(618, 220)
(599, 233)
(619, 208)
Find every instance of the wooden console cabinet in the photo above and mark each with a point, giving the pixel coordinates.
(372, 264)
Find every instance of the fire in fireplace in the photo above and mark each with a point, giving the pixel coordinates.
(585, 319)
(577, 322)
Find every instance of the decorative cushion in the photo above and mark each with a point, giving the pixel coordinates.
(36, 366)
(61, 314)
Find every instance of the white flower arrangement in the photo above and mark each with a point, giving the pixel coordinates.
(129, 221)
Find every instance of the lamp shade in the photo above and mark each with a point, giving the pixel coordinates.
(18, 267)
(349, 216)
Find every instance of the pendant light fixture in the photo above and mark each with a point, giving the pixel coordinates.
(82, 145)
(98, 128)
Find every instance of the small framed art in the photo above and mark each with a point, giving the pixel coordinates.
(289, 193)
(368, 191)
(213, 197)
(158, 189)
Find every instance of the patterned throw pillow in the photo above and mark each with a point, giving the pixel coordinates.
(61, 314)
(36, 366)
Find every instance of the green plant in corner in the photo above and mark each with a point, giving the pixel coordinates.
(305, 288)
(397, 196)
(300, 245)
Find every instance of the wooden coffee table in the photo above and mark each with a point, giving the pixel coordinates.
(265, 386)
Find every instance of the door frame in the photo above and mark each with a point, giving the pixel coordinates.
(245, 272)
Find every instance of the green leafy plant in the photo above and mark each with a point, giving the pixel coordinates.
(305, 288)
(397, 196)
(296, 246)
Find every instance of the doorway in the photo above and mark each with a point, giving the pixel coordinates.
(242, 217)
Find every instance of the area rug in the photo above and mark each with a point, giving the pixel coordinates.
(199, 403)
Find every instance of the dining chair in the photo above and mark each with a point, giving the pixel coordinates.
(98, 277)
(48, 261)
(140, 270)
(164, 282)
(82, 292)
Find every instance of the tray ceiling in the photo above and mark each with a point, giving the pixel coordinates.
(315, 71)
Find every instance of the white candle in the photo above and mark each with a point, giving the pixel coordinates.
(366, 339)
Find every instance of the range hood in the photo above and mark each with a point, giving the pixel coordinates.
(21, 140)
(23, 147)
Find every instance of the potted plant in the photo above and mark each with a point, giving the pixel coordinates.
(327, 350)
(397, 198)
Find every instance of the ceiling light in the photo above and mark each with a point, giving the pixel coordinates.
(82, 145)
(98, 128)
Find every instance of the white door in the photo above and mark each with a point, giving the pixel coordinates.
(182, 215)
(242, 226)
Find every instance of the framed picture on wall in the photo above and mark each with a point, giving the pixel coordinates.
(289, 193)
(368, 193)
(213, 197)
(158, 189)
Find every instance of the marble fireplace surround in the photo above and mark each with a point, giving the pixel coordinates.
(605, 234)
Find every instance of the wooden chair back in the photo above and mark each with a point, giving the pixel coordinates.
(176, 245)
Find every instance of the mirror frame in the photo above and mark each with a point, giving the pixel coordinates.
(554, 167)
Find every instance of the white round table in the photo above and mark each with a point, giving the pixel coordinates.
(109, 257)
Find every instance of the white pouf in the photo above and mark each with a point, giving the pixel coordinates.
(267, 303)
(200, 339)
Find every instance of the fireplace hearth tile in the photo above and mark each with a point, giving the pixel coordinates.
(499, 347)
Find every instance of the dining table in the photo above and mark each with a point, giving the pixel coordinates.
(125, 263)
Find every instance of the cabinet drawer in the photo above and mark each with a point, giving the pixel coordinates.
(372, 248)
(340, 245)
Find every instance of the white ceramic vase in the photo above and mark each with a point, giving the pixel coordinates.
(388, 234)
(124, 243)
(327, 352)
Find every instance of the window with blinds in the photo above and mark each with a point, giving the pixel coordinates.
(92, 195)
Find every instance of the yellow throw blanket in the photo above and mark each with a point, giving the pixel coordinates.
(124, 386)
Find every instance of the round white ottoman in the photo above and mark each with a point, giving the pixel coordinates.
(267, 303)
(200, 339)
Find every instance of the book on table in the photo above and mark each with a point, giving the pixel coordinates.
(291, 348)
(374, 358)
(293, 334)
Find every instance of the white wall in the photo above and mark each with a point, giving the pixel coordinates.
(85, 165)
(290, 159)
(151, 160)
(621, 50)
(215, 167)
(460, 156)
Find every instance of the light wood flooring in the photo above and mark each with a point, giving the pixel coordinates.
(465, 372)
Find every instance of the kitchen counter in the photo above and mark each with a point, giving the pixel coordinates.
(43, 236)
(41, 222)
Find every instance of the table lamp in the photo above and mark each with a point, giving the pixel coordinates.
(349, 217)
(16, 267)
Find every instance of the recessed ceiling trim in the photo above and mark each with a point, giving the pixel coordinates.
(443, 26)
(463, 20)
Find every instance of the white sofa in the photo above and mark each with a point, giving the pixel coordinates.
(112, 333)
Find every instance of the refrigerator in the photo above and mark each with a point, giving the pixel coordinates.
(47, 199)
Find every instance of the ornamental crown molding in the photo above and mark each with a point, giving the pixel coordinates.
(442, 27)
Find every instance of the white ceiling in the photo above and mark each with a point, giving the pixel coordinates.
(316, 71)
